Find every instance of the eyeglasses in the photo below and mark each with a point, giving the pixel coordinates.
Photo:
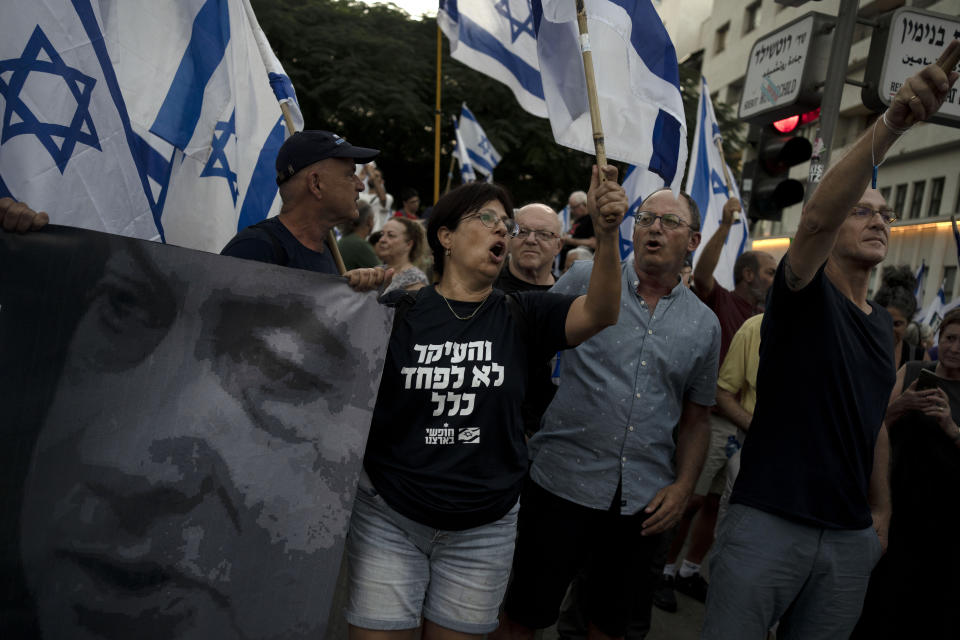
(667, 220)
(490, 219)
(540, 235)
(887, 215)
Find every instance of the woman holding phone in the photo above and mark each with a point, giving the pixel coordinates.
(914, 589)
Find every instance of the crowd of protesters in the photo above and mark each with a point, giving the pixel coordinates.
(679, 409)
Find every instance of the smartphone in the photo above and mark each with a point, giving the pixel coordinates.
(927, 380)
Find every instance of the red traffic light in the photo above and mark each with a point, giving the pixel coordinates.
(789, 124)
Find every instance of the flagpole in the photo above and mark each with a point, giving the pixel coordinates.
(598, 143)
(436, 123)
(331, 238)
(453, 157)
(718, 140)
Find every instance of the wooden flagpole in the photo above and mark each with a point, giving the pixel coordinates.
(436, 122)
(718, 140)
(331, 238)
(598, 143)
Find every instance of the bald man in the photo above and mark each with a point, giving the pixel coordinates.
(533, 251)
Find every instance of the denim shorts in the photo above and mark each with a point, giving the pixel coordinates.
(400, 570)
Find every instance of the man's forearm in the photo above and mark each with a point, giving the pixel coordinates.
(709, 257)
(731, 409)
(693, 439)
(879, 493)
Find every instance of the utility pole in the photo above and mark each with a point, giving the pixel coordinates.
(832, 93)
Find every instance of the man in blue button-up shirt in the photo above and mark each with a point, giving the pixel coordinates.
(602, 481)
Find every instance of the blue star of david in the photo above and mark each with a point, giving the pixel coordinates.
(79, 131)
(485, 146)
(217, 164)
(516, 26)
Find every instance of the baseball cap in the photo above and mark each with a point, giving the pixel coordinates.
(306, 147)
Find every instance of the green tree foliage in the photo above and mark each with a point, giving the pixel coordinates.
(369, 73)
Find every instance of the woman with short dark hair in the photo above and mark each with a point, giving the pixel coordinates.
(432, 532)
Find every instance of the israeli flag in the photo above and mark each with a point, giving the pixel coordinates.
(918, 287)
(466, 168)
(115, 129)
(497, 39)
(279, 80)
(533, 47)
(483, 157)
(638, 82)
(933, 314)
(707, 186)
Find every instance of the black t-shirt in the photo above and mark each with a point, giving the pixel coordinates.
(270, 241)
(446, 445)
(540, 388)
(824, 379)
(581, 228)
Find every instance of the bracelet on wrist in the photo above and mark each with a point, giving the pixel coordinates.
(893, 130)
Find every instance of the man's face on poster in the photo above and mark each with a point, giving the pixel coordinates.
(195, 470)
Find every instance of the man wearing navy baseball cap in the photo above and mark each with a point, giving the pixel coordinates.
(319, 190)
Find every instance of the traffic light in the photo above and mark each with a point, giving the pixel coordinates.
(770, 188)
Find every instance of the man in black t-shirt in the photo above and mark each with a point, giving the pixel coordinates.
(319, 188)
(809, 511)
(581, 232)
(528, 268)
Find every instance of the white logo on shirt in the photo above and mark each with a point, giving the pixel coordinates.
(470, 435)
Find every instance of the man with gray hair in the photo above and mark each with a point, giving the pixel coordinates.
(532, 251)
(580, 233)
(575, 254)
(603, 481)
(529, 264)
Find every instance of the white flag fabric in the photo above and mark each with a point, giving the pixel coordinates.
(279, 80)
(151, 120)
(483, 157)
(466, 168)
(638, 82)
(533, 47)
(498, 40)
(933, 314)
(707, 186)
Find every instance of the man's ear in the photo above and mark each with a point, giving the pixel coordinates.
(694, 242)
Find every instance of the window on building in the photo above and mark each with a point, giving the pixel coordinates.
(956, 205)
(751, 17)
(720, 40)
(900, 199)
(936, 196)
(949, 279)
(916, 199)
(734, 92)
(885, 192)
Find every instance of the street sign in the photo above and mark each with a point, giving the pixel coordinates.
(908, 40)
(786, 69)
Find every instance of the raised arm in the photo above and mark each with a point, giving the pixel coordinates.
(703, 279)
(918, 99)
(600, 307)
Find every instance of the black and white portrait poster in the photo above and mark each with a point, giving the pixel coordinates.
(181, 438)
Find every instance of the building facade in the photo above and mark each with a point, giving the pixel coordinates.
(921, 176)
